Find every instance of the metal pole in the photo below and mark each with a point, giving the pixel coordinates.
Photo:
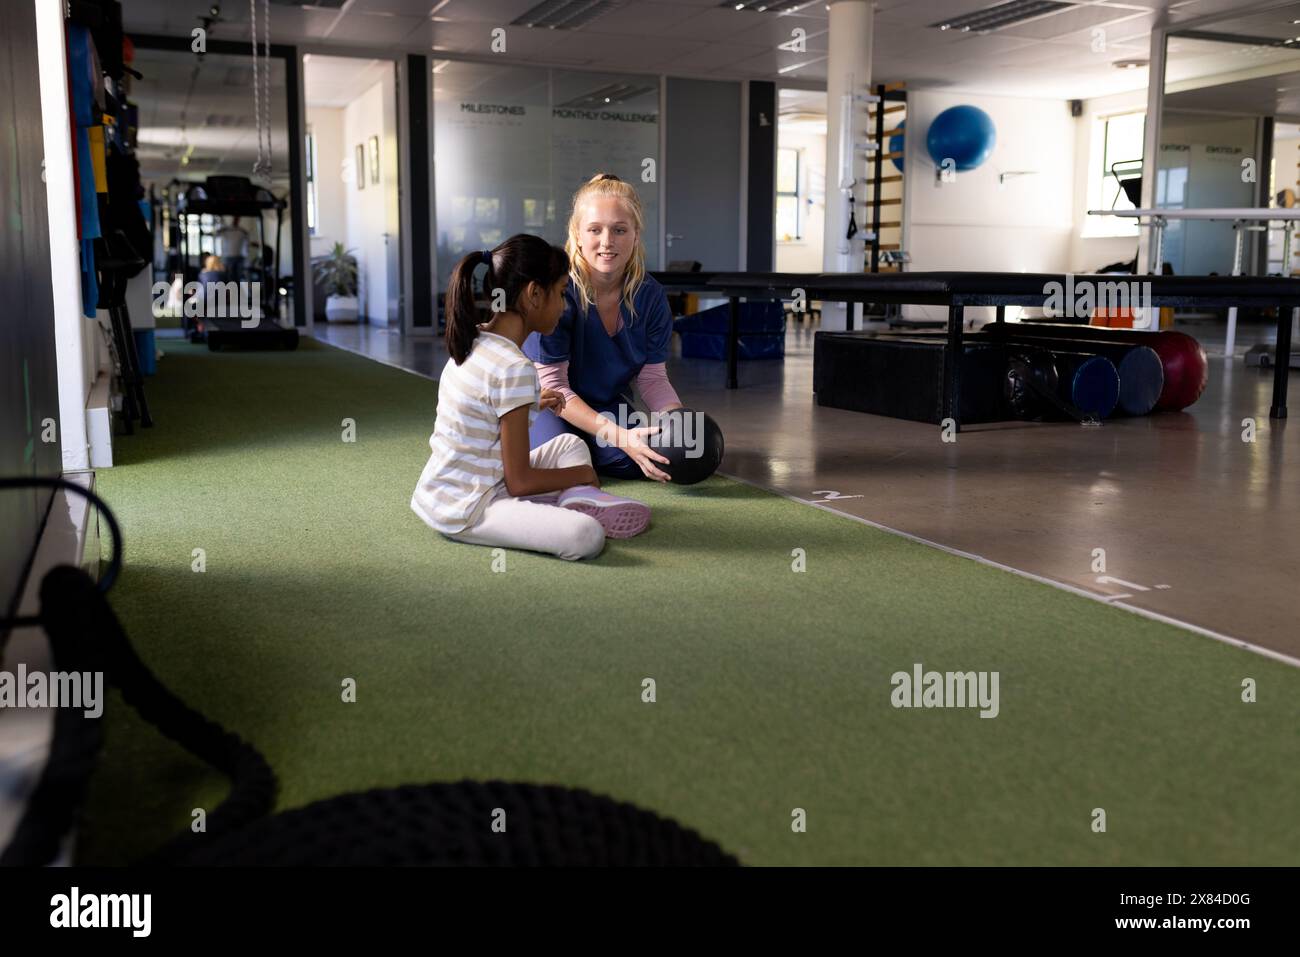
(1287, 225)
(1230, 343)
(951, 365)
(733, 343)
(1158, 241)
(1281, 361)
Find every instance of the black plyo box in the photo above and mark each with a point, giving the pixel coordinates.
(902, 376)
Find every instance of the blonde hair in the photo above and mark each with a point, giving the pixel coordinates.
(606, 184)
(212, 264)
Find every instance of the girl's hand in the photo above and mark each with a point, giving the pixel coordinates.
(633, 442)
(550, 399)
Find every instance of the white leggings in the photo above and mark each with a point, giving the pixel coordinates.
(534, 525)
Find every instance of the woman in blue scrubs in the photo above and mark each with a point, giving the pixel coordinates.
(614, 335)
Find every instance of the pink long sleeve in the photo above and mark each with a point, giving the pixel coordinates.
(655, 389)
(555, 376)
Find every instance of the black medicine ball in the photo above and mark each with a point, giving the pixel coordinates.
(691, 442)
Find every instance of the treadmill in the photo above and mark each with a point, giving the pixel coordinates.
(236, 196)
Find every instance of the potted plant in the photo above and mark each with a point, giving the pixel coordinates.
(338, 274)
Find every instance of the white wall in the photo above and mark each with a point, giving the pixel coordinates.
(367, 209)
(74, 342)
(805, 255)
(973, 223)
(331, 210)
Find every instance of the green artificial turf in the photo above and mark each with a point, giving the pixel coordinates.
(773, 686)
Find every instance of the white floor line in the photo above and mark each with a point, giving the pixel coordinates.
(1064, 586)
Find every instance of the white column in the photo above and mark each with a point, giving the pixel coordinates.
(70, 326)
(1151, 141)
(848, 71)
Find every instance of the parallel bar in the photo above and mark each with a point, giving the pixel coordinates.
(1252, 214)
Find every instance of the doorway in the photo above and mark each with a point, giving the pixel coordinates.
(800, 179)
(353, 189)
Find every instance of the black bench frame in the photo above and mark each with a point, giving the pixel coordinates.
(957, 290)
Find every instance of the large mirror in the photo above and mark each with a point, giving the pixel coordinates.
(197, 119)
(1230, 138)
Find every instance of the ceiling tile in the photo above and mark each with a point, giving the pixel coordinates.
(367, 28)
(703, 38)
(407, 8)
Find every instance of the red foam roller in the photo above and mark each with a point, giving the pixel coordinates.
(1186, 369)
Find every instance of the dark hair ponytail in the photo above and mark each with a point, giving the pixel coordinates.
(519, 260)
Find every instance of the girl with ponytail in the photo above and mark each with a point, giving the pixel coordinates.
(482, 484)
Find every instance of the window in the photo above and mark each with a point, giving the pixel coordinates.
(1123, 145)
(200, 236)
(789, 200)
(311, 183)
(1116, 156)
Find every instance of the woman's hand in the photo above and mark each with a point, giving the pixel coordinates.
(550, 399)
(633, 442)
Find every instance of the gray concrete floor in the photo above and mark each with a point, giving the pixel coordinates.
(1196, 524)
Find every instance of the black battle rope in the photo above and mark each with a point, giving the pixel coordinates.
(61, 789)
(109, 576)
(85, 636)
(412, 824)
(84, 633)
(451, 824)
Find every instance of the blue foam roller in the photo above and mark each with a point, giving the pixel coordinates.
(1094, 386)
(1141, 379)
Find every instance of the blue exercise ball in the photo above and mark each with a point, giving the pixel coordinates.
(964, 134)
(896, 146)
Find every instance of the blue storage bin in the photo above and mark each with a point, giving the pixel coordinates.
(762, 332)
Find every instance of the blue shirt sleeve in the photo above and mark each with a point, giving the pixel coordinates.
(659, 324)
(555, 347)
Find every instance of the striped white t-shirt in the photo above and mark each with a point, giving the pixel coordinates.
(465, 471)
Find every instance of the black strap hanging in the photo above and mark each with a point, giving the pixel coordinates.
(115, 562)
